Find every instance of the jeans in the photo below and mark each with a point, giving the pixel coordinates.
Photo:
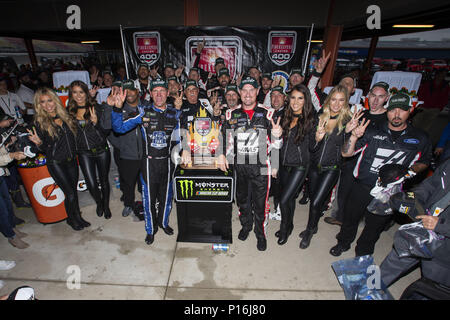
(6, 211)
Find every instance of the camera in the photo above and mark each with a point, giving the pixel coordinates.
(15, 138)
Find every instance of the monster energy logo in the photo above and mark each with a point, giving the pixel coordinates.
(185, 186)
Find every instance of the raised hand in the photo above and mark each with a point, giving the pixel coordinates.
(94, 76)
(93, 115)
(239, 79)
(111, 99)
(154, 73)
(322, 62)
(18, 155)
(214, 98)
(276, 82)
(320, 133)
(277, 131)
(358, 132)
(34, 137)
(217, 108)
(120, 97)
(179, 71)
(179, 100)
(354, 122)
(200, 46)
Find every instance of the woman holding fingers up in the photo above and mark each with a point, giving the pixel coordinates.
(326, 157)
(54, 134)
(92, 148)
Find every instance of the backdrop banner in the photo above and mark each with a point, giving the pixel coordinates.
(269, 48)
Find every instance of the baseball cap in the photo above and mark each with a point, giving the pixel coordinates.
(381, 84)
(169, 65)
(279, 89)
(190, 83)
(129, 84)
(143, 65)
(399, 100)
(117, 84)
(22, 293)
(158, 83)
(194, 69)
(267, 75)
(298, 71)
(219, 61)
(231, 87)
(172, 78)
(223, 71)
(348, 75)
(249, 80)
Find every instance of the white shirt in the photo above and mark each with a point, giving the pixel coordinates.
(9, 102)
(27, 95)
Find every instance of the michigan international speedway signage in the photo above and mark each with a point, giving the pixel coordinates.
(270, 48)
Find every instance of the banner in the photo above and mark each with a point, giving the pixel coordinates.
(271, 49)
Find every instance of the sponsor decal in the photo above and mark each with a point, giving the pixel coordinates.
(378, 137)
(284, 78)
(158, 139)
(202, 126)
(47, 193)
(203, 190)
(227, 47)
(411, 141)
(147, 46)
(281, 46)
(187, 188)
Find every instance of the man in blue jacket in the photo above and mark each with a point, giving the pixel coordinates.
(159, 125)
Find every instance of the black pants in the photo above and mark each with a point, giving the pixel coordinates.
(129, 173)
(157, 185)
(275, 191)
(250, 176)
(65, 175)
(346, 180)
(355, 208)
(292, 179)
(91, 164)
(321, 184)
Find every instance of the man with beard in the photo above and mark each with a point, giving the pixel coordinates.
(174, 90)
(142, 82)
(395, 141)
(250, 131)
(295, 77)
(194, 74)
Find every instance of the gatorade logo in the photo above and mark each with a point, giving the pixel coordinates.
(187, 188)
(47, 193)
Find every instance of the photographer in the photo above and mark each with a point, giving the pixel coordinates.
(7, 218)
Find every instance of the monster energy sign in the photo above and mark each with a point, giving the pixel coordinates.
(204, 189)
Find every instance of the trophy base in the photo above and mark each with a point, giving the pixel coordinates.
(201, 163)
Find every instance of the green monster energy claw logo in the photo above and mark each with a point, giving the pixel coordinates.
(185, 186)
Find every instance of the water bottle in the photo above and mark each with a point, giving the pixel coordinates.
(311, 63)
(220, 247)
(117, 182)
(18, 115)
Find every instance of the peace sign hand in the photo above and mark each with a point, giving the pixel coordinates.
(277, 131)
(320, 133)
(200, 46)
(358, 132)
(94, 118)
(93, 91)
(179, 100)
(322, 62)
(111, 99)
(276, 82)
(120, 97)
(354, 122)
(154, 72)
(34, 137)
(179, 71)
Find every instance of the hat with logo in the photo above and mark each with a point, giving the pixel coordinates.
(130, 85)
(117, 84)
(143, 65)
(297, 71)
(278, 89)
(172, 78)
(169, 65)
(190, 83)
(194, 69)
(399, 100)
(219, 61)
(223, 71)
(249, 80)
(381, 84)
(267, 75)
(158, 83)
(231, 87)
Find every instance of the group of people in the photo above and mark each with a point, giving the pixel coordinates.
(286, 141)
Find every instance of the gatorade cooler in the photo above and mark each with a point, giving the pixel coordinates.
(47, 199)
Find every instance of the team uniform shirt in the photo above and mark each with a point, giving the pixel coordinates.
(379, 147)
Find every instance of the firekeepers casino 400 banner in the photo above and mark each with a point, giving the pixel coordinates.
(272, 49)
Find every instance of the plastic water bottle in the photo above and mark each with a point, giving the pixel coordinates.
(18, 115)
(117, 182)
(220, 247)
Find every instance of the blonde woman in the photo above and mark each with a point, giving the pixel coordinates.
(54, 134)
(335, 121)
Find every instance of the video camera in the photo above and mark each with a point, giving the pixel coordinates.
(19, 134)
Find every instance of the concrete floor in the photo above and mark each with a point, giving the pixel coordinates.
(115, 262)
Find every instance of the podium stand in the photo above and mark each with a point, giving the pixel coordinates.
(204, 198)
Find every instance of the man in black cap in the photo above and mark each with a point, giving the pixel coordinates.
(378, 96)
(169, 70)
(395, 141)
(296, 77)
(142, 82)
(252, 133)
(194, 74)
(266, 85)
(255, 73)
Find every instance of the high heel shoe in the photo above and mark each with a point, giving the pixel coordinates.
(284, 236)
(107, 212)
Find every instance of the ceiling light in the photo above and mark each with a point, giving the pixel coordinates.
(316, 41)
(91, 41)
(413, 26)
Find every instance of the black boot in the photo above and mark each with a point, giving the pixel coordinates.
(74, 223)
(99, 209)
(284, 235)
(107, 212)
(307, 236)
(80, 219)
